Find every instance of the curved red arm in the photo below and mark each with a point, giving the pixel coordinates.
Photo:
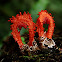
(43, 18)
(22, 21)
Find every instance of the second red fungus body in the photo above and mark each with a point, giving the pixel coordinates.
(43, 18)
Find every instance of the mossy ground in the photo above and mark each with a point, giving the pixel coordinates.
(11, 52)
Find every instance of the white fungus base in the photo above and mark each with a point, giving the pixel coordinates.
(50, 43)
(30, 48)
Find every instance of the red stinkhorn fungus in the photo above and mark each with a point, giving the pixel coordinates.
(43, 18)
(25, 20)
(22, 21)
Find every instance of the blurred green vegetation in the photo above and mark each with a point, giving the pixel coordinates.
(23, 40)
(9, 8)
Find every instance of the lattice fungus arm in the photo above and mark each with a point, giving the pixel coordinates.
(43, 18)
(22, 21)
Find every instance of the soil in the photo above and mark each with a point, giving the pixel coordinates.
(11, 52)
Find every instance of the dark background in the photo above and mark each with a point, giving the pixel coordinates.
(9, 8)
